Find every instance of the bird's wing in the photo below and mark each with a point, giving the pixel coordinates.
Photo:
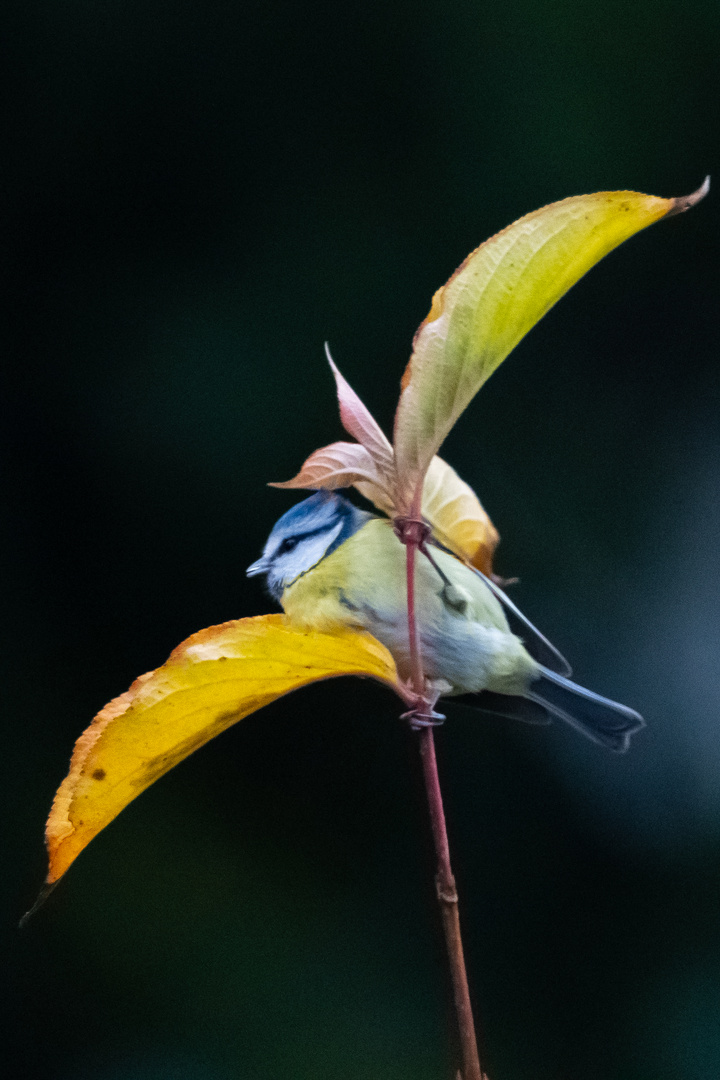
(536, 643)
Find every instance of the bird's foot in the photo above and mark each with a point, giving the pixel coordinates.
(422, 716)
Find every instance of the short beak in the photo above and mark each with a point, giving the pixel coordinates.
(259, 567)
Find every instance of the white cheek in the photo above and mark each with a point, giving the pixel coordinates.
(306, 555)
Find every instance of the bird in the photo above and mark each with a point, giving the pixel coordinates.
(333, 566)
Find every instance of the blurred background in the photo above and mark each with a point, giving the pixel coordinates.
(194, 197)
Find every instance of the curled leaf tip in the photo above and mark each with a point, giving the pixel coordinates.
(685, 202)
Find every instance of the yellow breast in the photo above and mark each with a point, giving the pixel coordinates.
(465, 638)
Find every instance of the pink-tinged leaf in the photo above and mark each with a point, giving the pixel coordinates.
(378, 496)
(457, 516)
(359, 422)
(490, 303)
(339, 465)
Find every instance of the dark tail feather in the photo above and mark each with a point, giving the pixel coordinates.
(604, 721)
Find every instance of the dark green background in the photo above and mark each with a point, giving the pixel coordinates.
(193, 198)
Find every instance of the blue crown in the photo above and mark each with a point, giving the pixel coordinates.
(307, 533)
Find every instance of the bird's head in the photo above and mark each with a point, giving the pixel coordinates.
(305, 535)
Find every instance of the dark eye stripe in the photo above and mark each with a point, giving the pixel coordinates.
(298, 539)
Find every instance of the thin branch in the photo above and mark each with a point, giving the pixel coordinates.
(448, 900)
(416, 664)
(413, 532)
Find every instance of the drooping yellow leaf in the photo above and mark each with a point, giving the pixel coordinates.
(500, 292)
(210, 681)
(457, 516)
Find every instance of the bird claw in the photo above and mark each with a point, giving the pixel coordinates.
(422, 707)
(423, 716)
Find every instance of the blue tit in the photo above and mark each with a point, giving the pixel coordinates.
(331, 565)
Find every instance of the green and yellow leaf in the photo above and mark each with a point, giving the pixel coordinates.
(212, 680)
(497, 295)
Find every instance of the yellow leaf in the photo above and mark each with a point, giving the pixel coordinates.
(210, 681)
(500, 292)
(457, 516)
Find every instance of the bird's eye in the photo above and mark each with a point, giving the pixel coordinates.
(288, 544)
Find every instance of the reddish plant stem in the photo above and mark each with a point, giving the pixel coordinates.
(444, 880)
(416, 665)
(448, 900)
